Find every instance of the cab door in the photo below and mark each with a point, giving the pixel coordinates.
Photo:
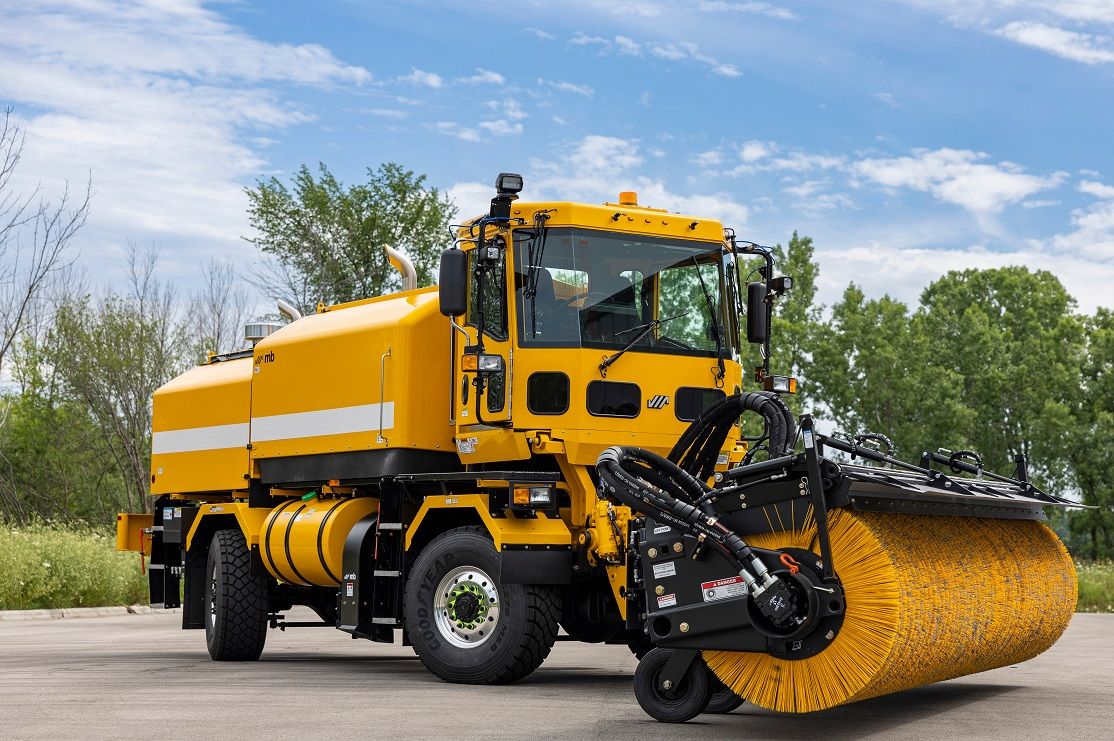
(489, 401)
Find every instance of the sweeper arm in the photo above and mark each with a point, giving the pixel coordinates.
(708, 587)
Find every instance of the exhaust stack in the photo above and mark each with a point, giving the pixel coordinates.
(404, 267)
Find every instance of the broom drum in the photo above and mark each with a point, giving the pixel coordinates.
(929, 598)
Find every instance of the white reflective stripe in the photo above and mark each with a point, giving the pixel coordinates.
(362, 418)
(200, 438)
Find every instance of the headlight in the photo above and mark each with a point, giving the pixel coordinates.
(533, 495)
(473, 363)
(780, 384)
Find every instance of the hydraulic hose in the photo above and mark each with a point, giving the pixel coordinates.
(655, 486)
(699, 447)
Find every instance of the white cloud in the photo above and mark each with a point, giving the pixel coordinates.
(710, 158)
(627, 45)
(604, 156)
(754, 150)
(582, 39)
(1039, 203)
(386, 112)
(1038, 24)
(452, 128)
(570, 87)
(167, 105)
(669, 51)
(760, 156)
(539, 33)
(500, 127)
(484, 76)
(421, 77)
(754, 8)
(806, 188)
(887, 98)
(598, 167)
(1098, 190)
(1078, 47)
(471, 198)
(1093, 235)
(958, 176)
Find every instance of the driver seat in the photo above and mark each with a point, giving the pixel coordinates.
(616, 313)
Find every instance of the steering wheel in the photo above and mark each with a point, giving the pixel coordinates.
(587, 295)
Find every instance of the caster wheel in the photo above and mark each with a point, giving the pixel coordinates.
(675, 704)
(724, 699)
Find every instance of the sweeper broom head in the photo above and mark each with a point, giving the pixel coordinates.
(802, 583)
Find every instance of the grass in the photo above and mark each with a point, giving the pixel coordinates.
(1096, 586)
(49, 565)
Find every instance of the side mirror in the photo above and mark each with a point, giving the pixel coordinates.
(757, 329)
(452, 282)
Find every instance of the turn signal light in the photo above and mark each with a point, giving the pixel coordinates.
(780, 384)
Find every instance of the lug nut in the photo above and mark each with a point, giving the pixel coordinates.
(667, 685)
(684, 627)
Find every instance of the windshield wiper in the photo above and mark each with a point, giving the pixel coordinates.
(643, 330)
(716, 334)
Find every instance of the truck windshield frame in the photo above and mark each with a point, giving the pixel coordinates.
(577, 287)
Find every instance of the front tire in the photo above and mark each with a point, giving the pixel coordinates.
(676, 704)
(723, 699)
(466, 626)
(235, 601)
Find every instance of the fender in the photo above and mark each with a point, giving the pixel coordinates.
(250, 520)
(533, 550)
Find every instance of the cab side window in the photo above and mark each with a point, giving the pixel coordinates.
(494, 299)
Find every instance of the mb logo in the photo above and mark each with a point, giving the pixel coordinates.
(658, 402)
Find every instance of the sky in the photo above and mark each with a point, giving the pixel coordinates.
(906, 137)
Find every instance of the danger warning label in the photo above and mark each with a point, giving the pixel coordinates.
(723, 589)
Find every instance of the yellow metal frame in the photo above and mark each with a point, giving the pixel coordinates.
(509, 530)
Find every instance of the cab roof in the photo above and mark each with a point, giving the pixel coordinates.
(618, 217)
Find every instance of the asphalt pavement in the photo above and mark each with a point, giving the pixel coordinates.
(140, 676)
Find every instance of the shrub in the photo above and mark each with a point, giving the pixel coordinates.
(1096, 586)
(51, 565)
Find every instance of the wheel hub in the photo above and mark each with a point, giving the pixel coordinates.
(466, 606)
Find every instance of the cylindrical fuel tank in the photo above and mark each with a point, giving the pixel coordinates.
(303, 541)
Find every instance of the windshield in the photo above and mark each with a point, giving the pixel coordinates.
(583, 288)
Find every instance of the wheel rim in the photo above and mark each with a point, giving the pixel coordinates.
(466, 607)
(213, 598)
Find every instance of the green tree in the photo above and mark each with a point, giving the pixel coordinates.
(873, 371)
(1091, 454)
(112, 354)
(1011, 339)
(796, 317)
(323, 240)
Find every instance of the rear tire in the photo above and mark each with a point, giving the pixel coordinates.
(466, 626)
(235, 601)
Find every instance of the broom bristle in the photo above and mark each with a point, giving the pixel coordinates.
(928, 598)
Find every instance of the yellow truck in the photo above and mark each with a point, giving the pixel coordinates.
(547, 439)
